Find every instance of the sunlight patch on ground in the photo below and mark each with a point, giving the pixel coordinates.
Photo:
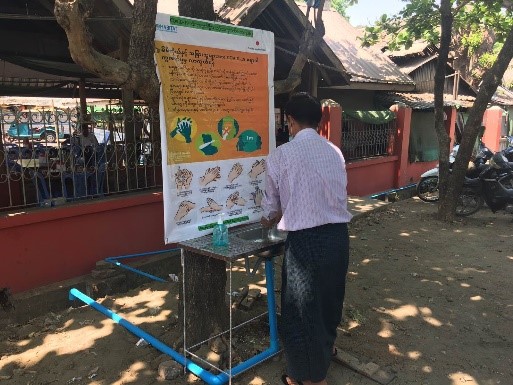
(366, 261)
(392, 349)
(132, 373)
(415, 355)
(460, 378)
(52, 343)
(463, 284)
(425, 311)
(427, 316)
(427, 369)
(394, 301)
(404, 312)
(404, 234)
(433, 321)
(257, 381)
(386, 330)
(429, 280)
(476, 298)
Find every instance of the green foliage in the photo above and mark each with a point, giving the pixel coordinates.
(420, 19)
(340, 6)
(487, 59)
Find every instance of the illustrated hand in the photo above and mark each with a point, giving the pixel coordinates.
(211, 175)
(235, 172)
(183, 179)
(235, 199)
(183, 127)
(257, 196)
(184, 209)
(257, 168)
(212, 206)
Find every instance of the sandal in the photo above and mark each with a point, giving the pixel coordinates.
(284, 378)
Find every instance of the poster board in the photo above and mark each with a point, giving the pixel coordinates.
(216, 122)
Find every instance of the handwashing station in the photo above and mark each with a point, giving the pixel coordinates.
(251, 243)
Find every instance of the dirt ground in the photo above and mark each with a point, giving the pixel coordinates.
(430, 302)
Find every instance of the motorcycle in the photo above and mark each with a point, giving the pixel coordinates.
(493, 186)
(427, 188)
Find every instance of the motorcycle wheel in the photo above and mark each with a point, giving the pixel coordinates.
(427, 189)
(470, 201)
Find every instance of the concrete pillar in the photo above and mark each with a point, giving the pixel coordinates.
(492, 120)
(331, 123)
(402, 143)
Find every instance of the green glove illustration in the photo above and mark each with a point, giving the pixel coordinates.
(184, 128)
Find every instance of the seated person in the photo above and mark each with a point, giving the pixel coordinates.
(26, 150)
(84, 143)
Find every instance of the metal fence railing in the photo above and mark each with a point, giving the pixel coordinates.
(363, 140)
(52, 156)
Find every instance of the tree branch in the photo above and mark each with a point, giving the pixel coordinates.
(138, 73)
(308, 42)
(71, 15)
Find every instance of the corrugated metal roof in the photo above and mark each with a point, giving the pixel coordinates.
(503, 96)
(417, 48)
(422, 101)
(365, 65)
(408, 66)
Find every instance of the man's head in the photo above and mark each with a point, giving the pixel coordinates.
(302, 111)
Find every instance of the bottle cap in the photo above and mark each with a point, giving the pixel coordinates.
(220, 219)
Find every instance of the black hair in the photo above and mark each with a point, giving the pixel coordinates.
(305, 109)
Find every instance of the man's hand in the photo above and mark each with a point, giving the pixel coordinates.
(270, 222)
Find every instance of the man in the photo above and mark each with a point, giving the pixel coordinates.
(85, 142)
(306, 196)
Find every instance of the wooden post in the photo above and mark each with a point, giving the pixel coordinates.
(83, 98)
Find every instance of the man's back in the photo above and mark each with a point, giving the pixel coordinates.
(310, 175)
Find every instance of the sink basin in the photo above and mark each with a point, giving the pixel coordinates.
(261, 235)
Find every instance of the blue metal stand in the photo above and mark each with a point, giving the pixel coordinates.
(202, 373)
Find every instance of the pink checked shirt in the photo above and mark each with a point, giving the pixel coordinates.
(306, 179)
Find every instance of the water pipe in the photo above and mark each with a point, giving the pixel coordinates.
(114, 261)
(375, 196)
(205, 375)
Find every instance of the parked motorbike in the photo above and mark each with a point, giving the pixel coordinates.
(427, 188)
(493, 186)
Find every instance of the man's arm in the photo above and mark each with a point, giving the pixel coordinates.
(271, 200)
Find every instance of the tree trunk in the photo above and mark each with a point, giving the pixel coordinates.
(205, 293)
(491, 81)
(205, 278)
(446, 20)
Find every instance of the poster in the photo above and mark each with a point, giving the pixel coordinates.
(217, 122)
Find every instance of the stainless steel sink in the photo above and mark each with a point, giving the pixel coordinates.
(262, 235)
